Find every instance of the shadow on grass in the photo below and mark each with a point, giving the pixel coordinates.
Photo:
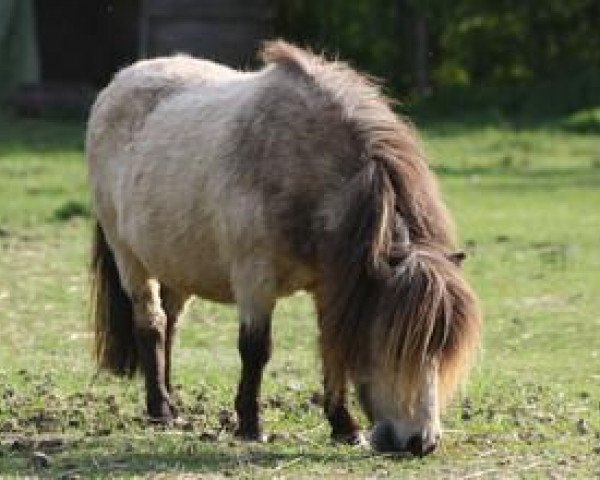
(229, 464)
(85, 459)
(569, 102)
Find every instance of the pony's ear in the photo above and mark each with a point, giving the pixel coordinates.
(457, 258)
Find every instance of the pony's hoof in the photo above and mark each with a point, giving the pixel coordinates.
(250, 436)
(181, 423)
(165, 421)
(162, 413)
(362, 440)
(351, 438)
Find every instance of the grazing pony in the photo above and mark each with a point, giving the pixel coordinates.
(243, 187)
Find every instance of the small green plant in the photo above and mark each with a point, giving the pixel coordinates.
(71, 209)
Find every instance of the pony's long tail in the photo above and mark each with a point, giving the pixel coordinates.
(112, 311)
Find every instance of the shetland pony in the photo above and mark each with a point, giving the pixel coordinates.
(243, 187)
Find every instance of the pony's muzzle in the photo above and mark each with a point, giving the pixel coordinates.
(385, 439)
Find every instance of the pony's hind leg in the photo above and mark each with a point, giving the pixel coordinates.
(173, 304)
(149, 332)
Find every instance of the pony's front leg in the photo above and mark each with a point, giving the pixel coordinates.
(255, 347)
(150, 335)
(254, 286)
(343, 426)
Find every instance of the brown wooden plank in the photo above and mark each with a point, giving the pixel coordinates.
(232, 42)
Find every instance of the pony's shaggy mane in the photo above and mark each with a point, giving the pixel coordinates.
(386, 140)
(386, 263)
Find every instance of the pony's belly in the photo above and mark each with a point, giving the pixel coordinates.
(215, 293)
(292, 277)
(205, 276)
(188, 264)
(210, 279)
(204, 280)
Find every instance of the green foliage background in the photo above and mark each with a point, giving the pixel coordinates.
(470, 43)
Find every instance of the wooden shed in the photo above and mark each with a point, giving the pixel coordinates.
(224, 30)
(80, 44)
(88, 40)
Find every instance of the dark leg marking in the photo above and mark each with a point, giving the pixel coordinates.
(255, 347)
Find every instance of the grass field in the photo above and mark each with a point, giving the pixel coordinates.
(527, 204)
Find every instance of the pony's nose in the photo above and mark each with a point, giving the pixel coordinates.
(420, 447)
(383, 438)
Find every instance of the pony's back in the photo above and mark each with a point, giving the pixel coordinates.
(121, 108)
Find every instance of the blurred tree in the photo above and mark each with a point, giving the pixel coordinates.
(507, 40)
(421, 43)
(365, 31)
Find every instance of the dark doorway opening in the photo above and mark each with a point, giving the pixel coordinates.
(81, 44)
(85, 42)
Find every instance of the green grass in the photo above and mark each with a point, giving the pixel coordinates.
(526, 204)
